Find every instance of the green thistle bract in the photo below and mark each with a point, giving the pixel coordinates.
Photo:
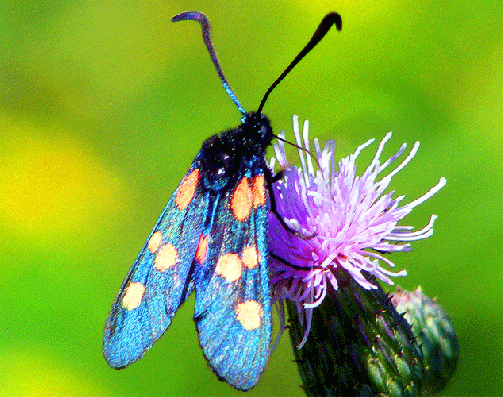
(359, 345)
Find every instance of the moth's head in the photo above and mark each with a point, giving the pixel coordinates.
(256, 130)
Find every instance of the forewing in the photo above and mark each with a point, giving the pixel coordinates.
(233, 309)
(160, 279)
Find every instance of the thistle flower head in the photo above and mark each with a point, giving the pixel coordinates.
(353, 220)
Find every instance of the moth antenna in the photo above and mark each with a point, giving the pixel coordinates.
(291, 144)
(327, 22)
(205, 25)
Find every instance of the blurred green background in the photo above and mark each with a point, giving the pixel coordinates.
(103, 106)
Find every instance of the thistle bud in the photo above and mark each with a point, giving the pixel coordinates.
(434, 332)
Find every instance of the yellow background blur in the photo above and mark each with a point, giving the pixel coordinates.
(103, 105)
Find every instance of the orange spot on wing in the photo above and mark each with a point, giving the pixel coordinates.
(241, 201)
(229, 267)
(187, 189)
(155, 242)
(202, 247)
(258, 191)
(250, 256)
(166, 257)
(249, 314)
(133, 296)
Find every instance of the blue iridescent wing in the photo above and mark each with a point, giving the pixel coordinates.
(233, 308)
(161, 278)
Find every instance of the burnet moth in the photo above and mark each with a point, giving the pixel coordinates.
(212, 237)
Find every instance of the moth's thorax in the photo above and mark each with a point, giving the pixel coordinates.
(222, 155)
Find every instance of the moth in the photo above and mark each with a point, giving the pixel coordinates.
(212, 237)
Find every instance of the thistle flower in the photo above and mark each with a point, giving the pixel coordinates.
(353, 219)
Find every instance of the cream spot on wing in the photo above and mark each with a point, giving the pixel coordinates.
(202, 248)
(241, 201)
(258, 191)
(186, 190)
(166, 257)
(249, 314)
(133, 296)
(155, 242)
(250, 256)
(229, 267)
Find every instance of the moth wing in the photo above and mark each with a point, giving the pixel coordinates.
(233, 304)
(160, 279)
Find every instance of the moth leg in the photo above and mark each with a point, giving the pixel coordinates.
(270, 180)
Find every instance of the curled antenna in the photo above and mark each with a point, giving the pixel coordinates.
(327, 22)
(205, 25)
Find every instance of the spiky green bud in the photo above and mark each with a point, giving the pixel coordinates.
(435, 332)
